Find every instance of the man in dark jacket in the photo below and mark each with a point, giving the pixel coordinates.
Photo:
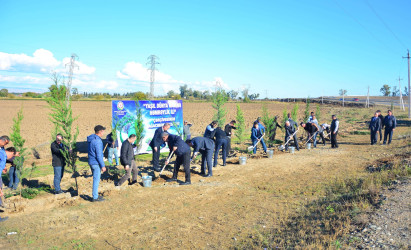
(112, 146)
(289, 131)
(95, 159)
(220, 142)
(210, 129)
(256, 135)
(127, 160)
(292, 122)
(204, 146)
(227, 130)
(312, 130)
(182, 151)
(58, 162)
(375, 126)
(382, 123)
(335, 124)
(390, 123)
(156, 144)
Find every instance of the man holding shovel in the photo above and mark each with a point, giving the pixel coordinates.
(182, 150)
(257, 133)
(127, 160)
(312, 130)
(156, 144)
(290, 131)
(5, 155)
(204, 146)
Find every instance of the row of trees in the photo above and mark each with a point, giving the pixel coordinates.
(386, 91)
(189, 93)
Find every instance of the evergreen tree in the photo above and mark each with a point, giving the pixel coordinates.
(239, 133)
(294, 112)
(139, 126)
(307, 109)
(219, 99)
(18, 143)
(61, 116)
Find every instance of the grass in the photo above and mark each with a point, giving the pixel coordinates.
(325, 222)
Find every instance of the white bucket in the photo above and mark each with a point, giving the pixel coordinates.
(270, 153)
(309, 145)
(147, 180)
(242, 160)
(292, 150)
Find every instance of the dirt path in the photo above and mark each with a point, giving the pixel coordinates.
(389, 227)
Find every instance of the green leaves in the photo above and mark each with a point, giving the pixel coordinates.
(18, 141)
(239, 133)
(139, 126)
(219, 99)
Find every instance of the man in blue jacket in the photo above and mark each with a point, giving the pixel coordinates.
(390, 123)
(182, 151)
(5, 155)
(156, 144)
(204, 146)
(95, 159)
(375, 125)
(257, 133)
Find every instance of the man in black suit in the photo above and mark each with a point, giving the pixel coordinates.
(220, 142)
(182, 151)
(204, 146)
(127, 160)
(156, 143)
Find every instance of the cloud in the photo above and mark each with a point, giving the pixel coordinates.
(42, 61)
(95, 85)
(23, 79)
(138, 74)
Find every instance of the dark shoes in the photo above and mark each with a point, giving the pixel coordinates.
(209, 175)
(225, 164)
(202, 173)
(59, 192)
(100, 198)
(185, 183)
(157, 169)
(171, 180)
(132, 183)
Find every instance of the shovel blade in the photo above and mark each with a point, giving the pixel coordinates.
(281, 148)
(250, 148)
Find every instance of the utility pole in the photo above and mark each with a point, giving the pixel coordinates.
(367, 103)
(409, 91)
(401, 100)
(71, 66)
(151, 60)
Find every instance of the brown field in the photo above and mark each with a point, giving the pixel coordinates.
(218, 212)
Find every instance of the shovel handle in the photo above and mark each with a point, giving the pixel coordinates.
(168, 159)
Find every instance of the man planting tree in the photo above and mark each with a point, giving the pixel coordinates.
(156, 144)
(58, 162)
(312, 130)
(204, 146)
(178, 147)
(127, 160)
(227, 130)
(5, 155)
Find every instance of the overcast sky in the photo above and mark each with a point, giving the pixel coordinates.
(280, 48)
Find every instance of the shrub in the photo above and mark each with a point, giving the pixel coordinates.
(239, 133)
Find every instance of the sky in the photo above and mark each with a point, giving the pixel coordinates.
(275, 48)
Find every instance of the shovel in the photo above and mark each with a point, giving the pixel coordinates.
(282, 147)
(250, 148)
(168, 159)
(310, 138)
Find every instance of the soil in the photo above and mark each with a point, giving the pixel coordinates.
(211, 213)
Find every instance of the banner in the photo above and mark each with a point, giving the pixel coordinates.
(154, 115)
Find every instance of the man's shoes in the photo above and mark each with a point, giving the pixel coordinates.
(133, 182)
(225, 164)
(185, 183)
(157, 169)
(59, 192)
(171, 180)
(100, 198)
(202, 173)
(209, 175)
(214, 166)
(3, 219)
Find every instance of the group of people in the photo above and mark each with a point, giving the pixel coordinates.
(378, 123)
(209, 145)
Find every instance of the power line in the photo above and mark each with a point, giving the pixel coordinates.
(385, 24)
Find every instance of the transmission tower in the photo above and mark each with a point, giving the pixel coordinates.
(72, 64)
(152, 61)
(401, 100)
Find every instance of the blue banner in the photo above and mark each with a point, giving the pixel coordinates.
(154, 115)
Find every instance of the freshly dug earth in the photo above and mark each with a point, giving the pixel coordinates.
(211, 213)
